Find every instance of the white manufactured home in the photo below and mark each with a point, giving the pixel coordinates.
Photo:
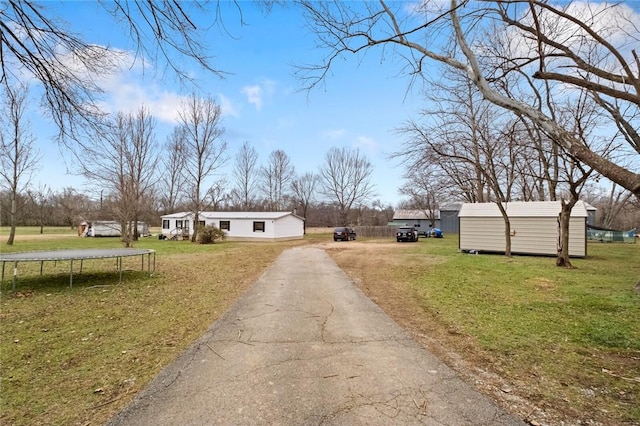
(237, 226)
(535, 228)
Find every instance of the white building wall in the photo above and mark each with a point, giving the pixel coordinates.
(538, 235)
(481, 233)
(289, 227)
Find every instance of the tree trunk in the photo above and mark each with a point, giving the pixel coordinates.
(507, 230)
(12, 219)
(196, 219)
(125, 233)
(563, 238)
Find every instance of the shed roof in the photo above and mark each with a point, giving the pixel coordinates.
(414, 215)
(520, 209)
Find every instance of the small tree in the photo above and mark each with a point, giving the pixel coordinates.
(18, 157)
(209, 234)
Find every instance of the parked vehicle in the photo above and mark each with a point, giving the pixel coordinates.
(344, 233)
(407, 233)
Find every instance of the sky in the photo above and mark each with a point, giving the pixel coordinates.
(360, 104)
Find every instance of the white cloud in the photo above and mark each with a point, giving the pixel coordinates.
(366, 144)
(254, 95)
(335, 134)
(228, 108)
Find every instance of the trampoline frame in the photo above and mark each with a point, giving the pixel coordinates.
(71, 255)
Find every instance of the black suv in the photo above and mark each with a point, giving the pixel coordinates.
(407, 233)
(344, 234)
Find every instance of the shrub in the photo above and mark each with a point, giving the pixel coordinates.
(209, 234)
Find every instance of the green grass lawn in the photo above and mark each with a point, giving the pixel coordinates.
(35, 230)
(572, 335)
(569, 338)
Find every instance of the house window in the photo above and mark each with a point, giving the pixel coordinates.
(226, 225)
(258, 226)
(179, 224)
(201, 223)
(165, 224)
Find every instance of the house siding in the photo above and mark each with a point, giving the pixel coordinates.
(276, 225)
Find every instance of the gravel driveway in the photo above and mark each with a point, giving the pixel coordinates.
(304, 346)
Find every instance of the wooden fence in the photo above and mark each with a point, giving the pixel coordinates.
(376, 231)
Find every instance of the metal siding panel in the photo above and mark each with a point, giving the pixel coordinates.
(534, 236)
(577, 237)
(485, 234)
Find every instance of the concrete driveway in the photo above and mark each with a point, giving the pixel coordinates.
(304, 346)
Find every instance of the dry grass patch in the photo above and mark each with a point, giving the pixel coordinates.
(549, 344)
(77, 356)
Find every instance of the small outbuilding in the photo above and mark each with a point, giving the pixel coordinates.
(237, 226)
(108, 228)
(535, 228)
(422, 220)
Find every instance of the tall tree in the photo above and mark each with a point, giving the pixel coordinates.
(123, 165)
(275, 177)
(42, 206)
(172, 175)
(18, 156)
(201, 121)
(304, 190)
(345, 178)
(556, 42)
(245, 175)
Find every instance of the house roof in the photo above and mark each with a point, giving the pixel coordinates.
(232, 215)
(520, 209)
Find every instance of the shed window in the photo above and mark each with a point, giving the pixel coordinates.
(258, 226)
(201, 223)
(179, 224)
(165, 223)
(226, 225)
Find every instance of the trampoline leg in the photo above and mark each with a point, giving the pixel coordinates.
(15, 274)
(2, 272)
(120, 267)
(71, 275)
(80, 265)
(41, 263)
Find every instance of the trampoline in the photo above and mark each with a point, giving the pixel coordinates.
(75, 255)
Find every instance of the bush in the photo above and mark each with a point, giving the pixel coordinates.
(209, 234)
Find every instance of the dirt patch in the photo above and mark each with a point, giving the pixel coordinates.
(381, 270)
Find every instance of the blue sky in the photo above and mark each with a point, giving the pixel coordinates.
(359, 105)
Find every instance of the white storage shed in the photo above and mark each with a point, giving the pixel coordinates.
(249, 226)
(535, 228)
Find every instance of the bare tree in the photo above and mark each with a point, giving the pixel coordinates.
(468, 140)
(304, 188)
(557, 43)
(217, 195)
(71, 205)
(275, 178)
(42, 210)
(201, 121)
(424, 192)
(345, 178)
(245, 174)
(123, 164)
(18, 156)
(35, 44)
(172, 176)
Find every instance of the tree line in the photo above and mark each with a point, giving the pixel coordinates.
(140, 179)
(528, 99)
